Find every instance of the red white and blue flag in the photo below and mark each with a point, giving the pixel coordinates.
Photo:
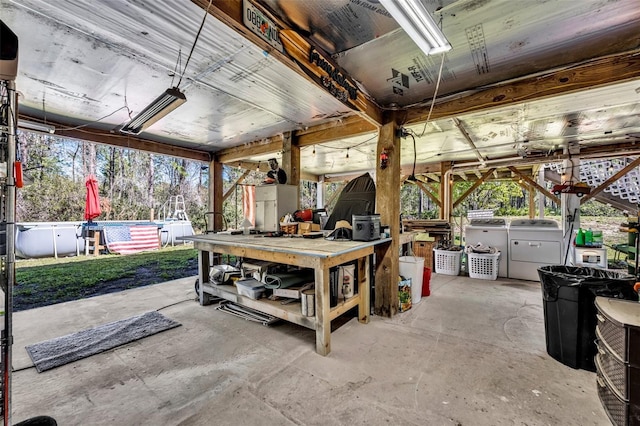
(131, 239)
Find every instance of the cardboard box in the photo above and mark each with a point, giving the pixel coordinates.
(292, 292)
(304, 227)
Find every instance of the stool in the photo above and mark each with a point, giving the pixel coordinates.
(92, 242)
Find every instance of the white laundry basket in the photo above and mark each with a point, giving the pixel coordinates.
(484, 266)
(447, 262)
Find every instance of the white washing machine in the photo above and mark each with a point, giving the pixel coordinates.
(533, 243)
(493, 233)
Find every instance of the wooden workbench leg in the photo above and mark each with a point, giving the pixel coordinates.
(323, 322)
(203, 276)
(364, 289)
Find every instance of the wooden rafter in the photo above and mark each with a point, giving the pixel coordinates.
(429, 194)
(462, 175)
(535, 185)
(467, 137)
(233, 185)
(595, 73)
(473, 187)
(125, 141)
(611, 179)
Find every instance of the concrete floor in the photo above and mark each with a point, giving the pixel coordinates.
(473, 353)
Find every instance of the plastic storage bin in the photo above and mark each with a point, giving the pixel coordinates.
(483, 266)
(447, 262)
(251, 288)
(412, 267)
(570, 320)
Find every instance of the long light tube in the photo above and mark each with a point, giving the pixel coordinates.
(171, 99)
(416, 21)
(39, 127)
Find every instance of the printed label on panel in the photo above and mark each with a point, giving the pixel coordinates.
(257, 22)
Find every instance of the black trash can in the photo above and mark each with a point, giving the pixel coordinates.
(569, 294)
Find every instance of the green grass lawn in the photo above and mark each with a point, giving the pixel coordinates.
(41, 282)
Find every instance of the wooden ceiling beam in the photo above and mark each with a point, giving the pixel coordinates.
(335, 130)
(106, 137)
(298, 49)
(341, 178)
(261, 147)
(263, 166)
(594, 73)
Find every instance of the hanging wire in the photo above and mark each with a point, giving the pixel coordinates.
(415, 155)
(341, 148)
(433, 100)
(95, 121)
(178, 63)
(206, 12)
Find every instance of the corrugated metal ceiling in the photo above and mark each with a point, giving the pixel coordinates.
(95, 63)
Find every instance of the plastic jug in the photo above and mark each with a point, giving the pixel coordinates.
(580, 237)
(588, 237)
(597, 238)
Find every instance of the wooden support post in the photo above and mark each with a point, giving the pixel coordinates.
(291, 159)
(532, 202)
(388, 205)
(215, 192)
(364, 308)
(323, 324)
(445, 192)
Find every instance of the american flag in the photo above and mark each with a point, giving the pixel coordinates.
(131, 239)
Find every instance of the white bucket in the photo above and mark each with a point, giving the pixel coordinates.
(413, 267)
(308, 301)
(346, 278)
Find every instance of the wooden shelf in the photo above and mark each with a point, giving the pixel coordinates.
(290, 312)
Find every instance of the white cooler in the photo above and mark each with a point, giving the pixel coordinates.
(594, 257)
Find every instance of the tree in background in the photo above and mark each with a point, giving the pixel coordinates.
(133, 185)
(50, 192)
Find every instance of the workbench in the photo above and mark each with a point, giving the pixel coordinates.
(318, 254)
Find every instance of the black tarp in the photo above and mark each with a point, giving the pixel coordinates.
(358, 197)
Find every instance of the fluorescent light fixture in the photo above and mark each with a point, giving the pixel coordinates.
(38, 127)
(171, 99)
(416, 21)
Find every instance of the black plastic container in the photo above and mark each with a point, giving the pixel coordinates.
(569, 294)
